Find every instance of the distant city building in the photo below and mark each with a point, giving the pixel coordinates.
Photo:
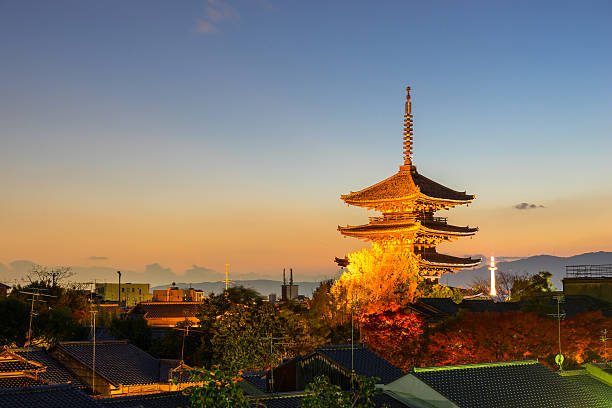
(4, 290)
(589, 280)
(175, 294)
(288, 291)
(408, 202)
(272, 297)
(131, 293)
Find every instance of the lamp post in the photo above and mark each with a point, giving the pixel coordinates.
(119, 291)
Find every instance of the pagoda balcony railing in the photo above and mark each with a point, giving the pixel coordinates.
(407, 217)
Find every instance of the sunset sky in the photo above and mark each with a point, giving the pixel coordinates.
(182, 133)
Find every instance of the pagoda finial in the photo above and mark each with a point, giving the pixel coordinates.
(408, 130)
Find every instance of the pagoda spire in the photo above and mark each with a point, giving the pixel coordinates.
(408, 130)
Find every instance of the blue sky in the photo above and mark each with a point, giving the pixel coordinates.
(203, 132)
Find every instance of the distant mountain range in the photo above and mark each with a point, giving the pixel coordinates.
(533, 264)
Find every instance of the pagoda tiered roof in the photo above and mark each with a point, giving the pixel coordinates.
(435, 259)
(406, 185)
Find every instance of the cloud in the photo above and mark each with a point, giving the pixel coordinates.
(217, 11)
(98, 258)
(527, 206)
(204, 27)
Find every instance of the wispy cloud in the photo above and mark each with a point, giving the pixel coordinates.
(217, 11)
(98, 258)
(527, 206)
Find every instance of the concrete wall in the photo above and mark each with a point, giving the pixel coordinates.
(598, 288)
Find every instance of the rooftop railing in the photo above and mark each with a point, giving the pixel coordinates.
(588, 271)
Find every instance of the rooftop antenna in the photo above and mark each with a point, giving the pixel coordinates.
(493, 268)
(35, 298)
(559, 316)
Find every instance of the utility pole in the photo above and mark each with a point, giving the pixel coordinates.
(272, 339)
(559, 316)
(35, 298)
(119, 289)
(604, 340)
(93, 360)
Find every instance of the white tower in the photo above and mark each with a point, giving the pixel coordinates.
(493, 268)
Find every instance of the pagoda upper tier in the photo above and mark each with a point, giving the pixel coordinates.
(407, 191)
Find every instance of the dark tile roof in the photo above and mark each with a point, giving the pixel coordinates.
(47, 396)
(366, 363)
(118, 361)
(436, 190)
(434, 310)
(438, 226)
(21, 381)
(592, 386)
(173, 399)
(256, 379)
(402, 185)
(166, 309)
(479, 306)
(55, 372)
(506, 385)
(435, 258)
(8, 366)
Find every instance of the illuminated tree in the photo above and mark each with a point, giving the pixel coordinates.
(378, 276)
(322, 394)
(219, 389)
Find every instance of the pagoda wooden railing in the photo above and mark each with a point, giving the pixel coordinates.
(407, 217)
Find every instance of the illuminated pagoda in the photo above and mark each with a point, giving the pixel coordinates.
(408, 202)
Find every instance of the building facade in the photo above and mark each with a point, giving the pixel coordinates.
(131, 293)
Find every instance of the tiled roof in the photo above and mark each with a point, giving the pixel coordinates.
(8, 366)
(47, 396)
(366, 363)
(257, 379)
(117, 361)
(435, 258)
(175, 399)
(480, 306)
(55, 373)
(21, 381)
(592, 386)
(402, 186)
(506, 385)
(439, 226)
(157, 310)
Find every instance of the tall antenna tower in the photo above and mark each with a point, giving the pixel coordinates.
(493, 268)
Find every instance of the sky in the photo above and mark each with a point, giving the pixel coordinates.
(185, 135)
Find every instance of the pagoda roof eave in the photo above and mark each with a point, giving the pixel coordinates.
(463, 231)
(449, 265)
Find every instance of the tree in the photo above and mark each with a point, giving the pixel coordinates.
(435, 290)
(536, 284)
(133, 328)
(504, 282)
(171, 343)
(219, 389)
(14, 322)
(379, 276)
(394, 333)
(321, 394)
(49, 276)
(56, 325)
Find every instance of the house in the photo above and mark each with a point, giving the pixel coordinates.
(166, 314)
(131, 293)
(51, 372)
(335, 362)
(120, 368)
(502, 385)
(594, 379)
(46, 396)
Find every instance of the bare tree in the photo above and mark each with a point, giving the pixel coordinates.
(504, 282)
(49, 276)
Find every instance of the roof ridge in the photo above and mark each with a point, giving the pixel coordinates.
(475, 365)
(35, 388)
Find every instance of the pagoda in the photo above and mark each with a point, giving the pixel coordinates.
(408, 202)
